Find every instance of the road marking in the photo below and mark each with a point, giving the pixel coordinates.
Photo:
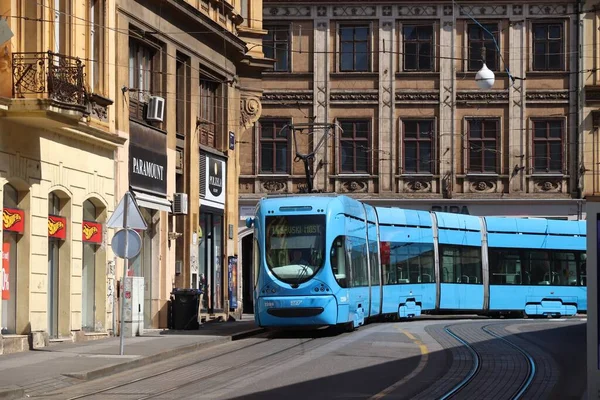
(415, 372)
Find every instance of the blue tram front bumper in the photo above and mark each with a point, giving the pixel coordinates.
(286, 311)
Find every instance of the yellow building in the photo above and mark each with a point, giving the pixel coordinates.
(57, 172)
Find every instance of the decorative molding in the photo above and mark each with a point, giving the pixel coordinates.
(287, 11)
(251, 109)
(482, 186)
(274, 186)
(547, 185)
(287, 97)
(354, 11)
(418, 11)
(548, 9)
(417, 96)
(482, 11)
(354, 186)
(418, 185)
(98, 106)
(386, 11)
(492, 96)
(386, 25)
(354, 96)
(447, 10)
(548, 95)
(592, 94)
(517, 9)
(321, 11)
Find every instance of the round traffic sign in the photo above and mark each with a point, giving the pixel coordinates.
(133, 246)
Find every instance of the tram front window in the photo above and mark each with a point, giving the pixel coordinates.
(295, 246)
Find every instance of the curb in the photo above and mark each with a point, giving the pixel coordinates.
(140, 362)
(11, 392)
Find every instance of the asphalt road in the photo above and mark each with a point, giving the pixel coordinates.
(418, 359)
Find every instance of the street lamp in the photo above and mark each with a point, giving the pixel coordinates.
(485, 78)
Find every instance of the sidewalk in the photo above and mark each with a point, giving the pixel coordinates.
(65, 364)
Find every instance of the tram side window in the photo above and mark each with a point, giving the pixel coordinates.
(410, 263)
(357, 259)
(461, 264)
(338, 262)
(374, 257)
(564, 268)
(536, 270)
(583, 269)
(505, 267)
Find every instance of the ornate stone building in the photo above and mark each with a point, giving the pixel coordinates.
(412, 127)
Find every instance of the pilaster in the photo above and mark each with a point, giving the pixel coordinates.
(446, 134)
(321, 99)
(517, 125)
(387, 140)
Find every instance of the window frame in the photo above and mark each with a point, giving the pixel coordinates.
(496, 150)
(432, 141)
(182, 95)
(153, 76)
(532, 41)
(274, 121)
(369, 42)
(96, 42)
(209, 125)
(367, 140)
(548, 140)
(482, 40)
(274, 41)
(432, 43)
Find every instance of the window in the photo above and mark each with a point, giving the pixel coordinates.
(482, 46)
(244, 12)
(483, 145)
(208, 112)
(354, 146)
(276, 45)
(418, 48)
(409, 263)
(144, 73)
(418, 146)
(460, 264)
(547, 146)
(182, 95)
(96, 51)
(354, 48)
(548, 47)
(274, 146)
(61, 12)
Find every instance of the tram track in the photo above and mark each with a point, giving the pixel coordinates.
(482, 358)
(121, 388)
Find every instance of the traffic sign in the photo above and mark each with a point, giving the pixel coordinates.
(134, 244)
(134, 216)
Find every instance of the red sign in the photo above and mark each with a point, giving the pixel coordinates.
(91, 232)
(5, 271)
(385, 252)
(57, 227)
(13, 220)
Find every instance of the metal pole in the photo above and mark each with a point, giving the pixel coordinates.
(125, 268)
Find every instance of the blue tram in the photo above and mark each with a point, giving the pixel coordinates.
(332, 260)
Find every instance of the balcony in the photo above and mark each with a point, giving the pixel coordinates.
(56, 77)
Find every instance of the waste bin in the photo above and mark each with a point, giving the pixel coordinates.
(184, 309)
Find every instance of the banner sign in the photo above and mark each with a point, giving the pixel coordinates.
(57, 227)
(13, 220)
(91, 232)
(5, 271)
(232, 274)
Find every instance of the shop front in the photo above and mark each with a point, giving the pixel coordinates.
(13, 222)
(148, 184)
(211, 273)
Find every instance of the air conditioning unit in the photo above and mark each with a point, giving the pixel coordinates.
(180, 203)
(156, 109)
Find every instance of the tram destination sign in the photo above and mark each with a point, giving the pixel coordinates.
(304, 229)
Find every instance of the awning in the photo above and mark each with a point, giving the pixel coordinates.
(152, 202)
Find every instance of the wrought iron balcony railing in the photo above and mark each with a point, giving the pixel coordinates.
(60, 77)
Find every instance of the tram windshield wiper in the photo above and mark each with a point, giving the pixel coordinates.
(302, 272)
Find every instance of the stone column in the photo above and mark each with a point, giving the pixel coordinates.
(387, 142)
(321, 102)
(448, 126)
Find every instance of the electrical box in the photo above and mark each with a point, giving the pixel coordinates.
(133, 295)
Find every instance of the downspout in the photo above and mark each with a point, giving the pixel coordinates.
(450, 183)
(579, 149)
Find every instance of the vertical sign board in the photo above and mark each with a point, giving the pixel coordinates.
(5, 271)
(232, 274)
(13, 220)
(57, 227)
(91, 232)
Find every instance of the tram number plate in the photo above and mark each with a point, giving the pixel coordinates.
(295, 302)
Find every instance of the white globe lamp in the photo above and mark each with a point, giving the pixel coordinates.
(485, 78)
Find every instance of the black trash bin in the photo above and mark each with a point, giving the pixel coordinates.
(184, 309)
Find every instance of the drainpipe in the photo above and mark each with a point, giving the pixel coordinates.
(579, 149)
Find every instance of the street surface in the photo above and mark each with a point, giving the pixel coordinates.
(427, 358)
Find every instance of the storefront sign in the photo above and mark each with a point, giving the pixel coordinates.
(215, 181)
(147, 170)
(13, 220)
(232, 278)
(57, 227)
(91, 232)
(5, 271)
(456, 209)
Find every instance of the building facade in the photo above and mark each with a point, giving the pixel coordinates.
(200, 62)
(57, 173)
(408, 124)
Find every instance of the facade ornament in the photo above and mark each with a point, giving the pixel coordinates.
(250, 111)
